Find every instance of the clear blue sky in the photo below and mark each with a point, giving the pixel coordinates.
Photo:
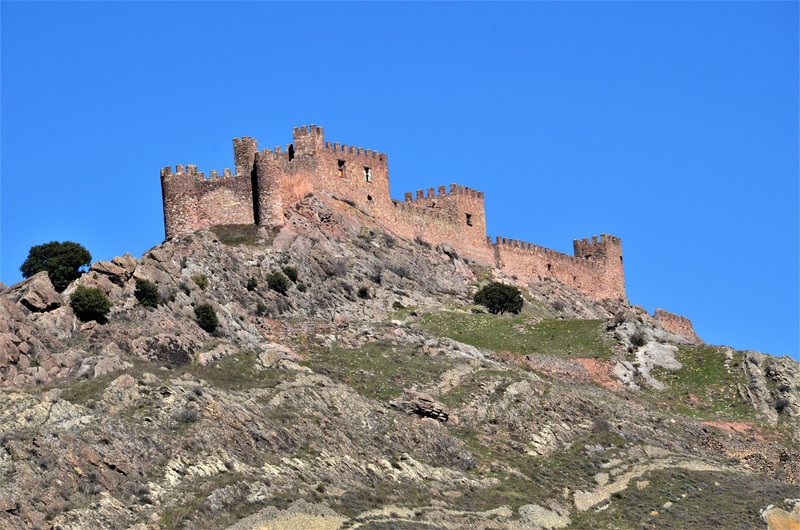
(671, 125)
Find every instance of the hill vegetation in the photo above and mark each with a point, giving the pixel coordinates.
(307, 404)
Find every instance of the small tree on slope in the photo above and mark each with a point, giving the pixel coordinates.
(499, 298)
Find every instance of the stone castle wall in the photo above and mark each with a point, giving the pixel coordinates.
(269, 181)
(595, 270)
(676, 324)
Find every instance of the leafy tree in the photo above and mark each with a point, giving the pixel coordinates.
(206, 317)
(278, 282)
(363, 293)
(146, 293)
(62, 261)
(499, 298)
(90, 303)
(252, 284)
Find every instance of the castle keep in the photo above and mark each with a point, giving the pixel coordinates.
(265, 183)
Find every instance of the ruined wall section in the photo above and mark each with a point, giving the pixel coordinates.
(595, 274)
(677, 324)
(192, 201)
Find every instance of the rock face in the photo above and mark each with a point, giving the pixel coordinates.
(37, 293)
(320, 407)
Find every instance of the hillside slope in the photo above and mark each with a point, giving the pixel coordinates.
(372, 394)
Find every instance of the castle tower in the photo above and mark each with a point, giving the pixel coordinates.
(308, 141)
(179, 197)
(244, 155)
(606, 250)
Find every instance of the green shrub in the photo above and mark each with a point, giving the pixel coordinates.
(201, 280)
(302, 287)
(62, 261)
(90, 303)
(261, 309)
(278, 282)
(146, 293)
(638, 338)
(498, 298)
(290, 273)
(252, 284)
(206, 317)
(363, 293)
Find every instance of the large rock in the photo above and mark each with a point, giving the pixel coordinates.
(421, 404)
(37, 293)
(114, 272)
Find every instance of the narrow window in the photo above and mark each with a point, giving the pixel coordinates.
(549, 266)
(340, 163)
(290, 150)
(369, 198)
(367, 174)
(574, 278)
(620, 259)
(469, 219)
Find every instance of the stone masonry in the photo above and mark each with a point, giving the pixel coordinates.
(267, 182)
(676, 324)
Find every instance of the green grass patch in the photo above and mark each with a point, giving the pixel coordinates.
(704, 388)
(238, 372)
(700, 500)
(525, 479)
(185, 513)
(576, 338)
(379, 370)
(474, 384)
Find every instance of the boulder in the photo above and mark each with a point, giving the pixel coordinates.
(273, 354)
(108, 365)
(37, 293)
(114, 272)
(421, 404)
(127, 262)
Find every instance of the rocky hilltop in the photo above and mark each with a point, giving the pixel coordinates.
(373, 394)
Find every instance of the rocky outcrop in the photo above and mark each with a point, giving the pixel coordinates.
(423, 405)
(321, 407)
(36, 293)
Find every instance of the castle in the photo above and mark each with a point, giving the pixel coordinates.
(267, 182)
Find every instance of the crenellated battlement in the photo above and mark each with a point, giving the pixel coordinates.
(367, 154)
(442, 191)
(266, 182)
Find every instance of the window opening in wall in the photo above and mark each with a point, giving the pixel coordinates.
(369, 198)
(367, 174)
(574, 278)
(620, 259)
(549, 266)
(290, 150)
(469, 219)
(340, 163)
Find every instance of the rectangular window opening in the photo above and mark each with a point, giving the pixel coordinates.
(340, 164)
(469, 219)
(367, 174)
